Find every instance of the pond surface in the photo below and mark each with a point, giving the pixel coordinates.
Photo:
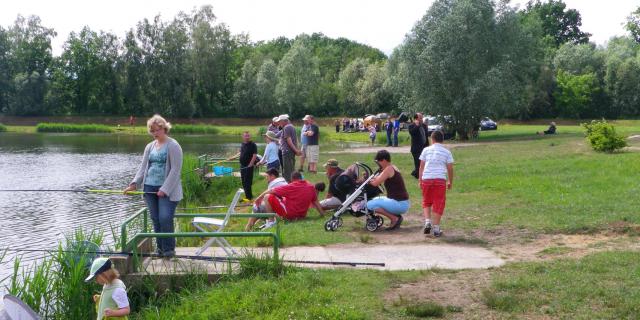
(39, 220)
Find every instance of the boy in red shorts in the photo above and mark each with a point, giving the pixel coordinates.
(436, 176)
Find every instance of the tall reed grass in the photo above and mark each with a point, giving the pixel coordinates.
(69, 127)
(194, 129)
(3, 128)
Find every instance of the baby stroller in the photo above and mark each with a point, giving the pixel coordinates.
(355, 183)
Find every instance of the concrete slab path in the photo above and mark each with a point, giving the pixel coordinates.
(395, 257)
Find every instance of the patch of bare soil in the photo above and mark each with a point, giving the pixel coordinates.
(403, 149)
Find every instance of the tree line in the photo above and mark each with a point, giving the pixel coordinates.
(464, 58)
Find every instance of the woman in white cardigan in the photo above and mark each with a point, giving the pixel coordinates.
(159, 176)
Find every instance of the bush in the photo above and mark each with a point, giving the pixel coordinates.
(603, 137)
(68, 127)
(194, 129)
(2, 128)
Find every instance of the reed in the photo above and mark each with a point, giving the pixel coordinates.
(194, 129)
(3, 128)
(68, 128)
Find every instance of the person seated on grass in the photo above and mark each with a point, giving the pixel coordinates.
(396, 202)
(551, 130)
(334, 196)
(274, 180)
(290, 202)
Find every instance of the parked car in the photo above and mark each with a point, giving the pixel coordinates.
(488, 124)
(437, 124)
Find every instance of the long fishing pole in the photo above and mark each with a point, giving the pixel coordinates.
(77, 190)
(193, 257)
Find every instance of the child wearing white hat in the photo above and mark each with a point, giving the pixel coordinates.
(113, 302)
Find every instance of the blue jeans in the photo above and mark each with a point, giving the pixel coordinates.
(389, 139)
(395, 138)
(161, 210)
(389, 205)
(274, 165)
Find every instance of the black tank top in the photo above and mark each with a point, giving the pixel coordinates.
(395, 187)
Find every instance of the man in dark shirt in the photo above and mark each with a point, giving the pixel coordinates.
(313, 148)
(289, 146)
(248, 157)
(418, 131)
(334, 197)
(389, 127)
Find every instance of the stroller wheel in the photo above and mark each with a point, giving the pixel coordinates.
(372, 224)
(331, 225)
(380, 221)
(339, 222)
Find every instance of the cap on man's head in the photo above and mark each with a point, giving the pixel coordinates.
(98, 266)
(275, 119)
(283, 117)
(307, 117)
(331, 163)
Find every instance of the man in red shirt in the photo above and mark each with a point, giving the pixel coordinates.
(292, 201)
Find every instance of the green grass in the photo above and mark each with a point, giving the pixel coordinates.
(3, 128)
(599, 286)
(194, 129)
(68, 127)
(295, 294)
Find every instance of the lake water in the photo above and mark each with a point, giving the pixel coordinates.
(39, 220)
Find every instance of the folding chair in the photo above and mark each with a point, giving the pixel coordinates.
(216, 225)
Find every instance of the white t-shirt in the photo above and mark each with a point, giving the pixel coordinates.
(435, 157)
(120, 297)
(277, 182)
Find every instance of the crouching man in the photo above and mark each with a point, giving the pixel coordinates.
(290, 202)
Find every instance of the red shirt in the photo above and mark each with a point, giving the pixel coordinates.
(297, 197)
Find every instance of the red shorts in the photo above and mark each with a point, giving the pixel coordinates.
(278, 206)
(434, 194)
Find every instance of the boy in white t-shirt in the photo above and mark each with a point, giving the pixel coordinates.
(436, 176)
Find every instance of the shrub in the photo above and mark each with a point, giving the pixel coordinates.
(69, 127)
(2, 128)
(603, 137)
(425, 310)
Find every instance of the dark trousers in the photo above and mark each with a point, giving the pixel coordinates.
(288, 165)
(161, 211)
(389, 141)
(247, 180)
(280, 159)
(337, 129)
(416, 163)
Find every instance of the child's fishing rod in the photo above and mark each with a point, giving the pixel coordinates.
(77, 190)
(201, 258)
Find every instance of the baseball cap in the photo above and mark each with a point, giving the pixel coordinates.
(98, 266)
(333, 163)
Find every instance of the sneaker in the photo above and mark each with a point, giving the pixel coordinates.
(268, 224)
(437, 234)
(427, 228)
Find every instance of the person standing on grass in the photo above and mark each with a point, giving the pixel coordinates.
(396, 130)
(313, 147)
(396, 203)
(248, 158)
(288, 146)
(388, 126)
(303, 142)
(112, 302)
(436, 176)
(159, 175)
(337, 124)
(372, 134)
(270, 157)
(419, 140)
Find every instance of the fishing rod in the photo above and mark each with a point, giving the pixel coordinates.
(78, 190)
(201, 258)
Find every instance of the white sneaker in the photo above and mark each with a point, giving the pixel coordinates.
(268, 224)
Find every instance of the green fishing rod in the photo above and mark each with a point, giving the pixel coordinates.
(78, 191)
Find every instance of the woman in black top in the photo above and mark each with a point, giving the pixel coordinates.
(396, 202)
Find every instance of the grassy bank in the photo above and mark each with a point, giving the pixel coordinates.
(3, 128)
(69, 128)
(599, 286)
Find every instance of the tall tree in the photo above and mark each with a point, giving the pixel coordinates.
(373, 96)
(246, 93)
(633, 24)
(298, 75)
(349, 84)
(30, 57)
(468, 60)
(558, 22)
(266, 87)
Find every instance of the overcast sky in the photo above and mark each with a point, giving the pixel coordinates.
(381, 24)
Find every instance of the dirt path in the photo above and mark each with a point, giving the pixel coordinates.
(403, 149)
